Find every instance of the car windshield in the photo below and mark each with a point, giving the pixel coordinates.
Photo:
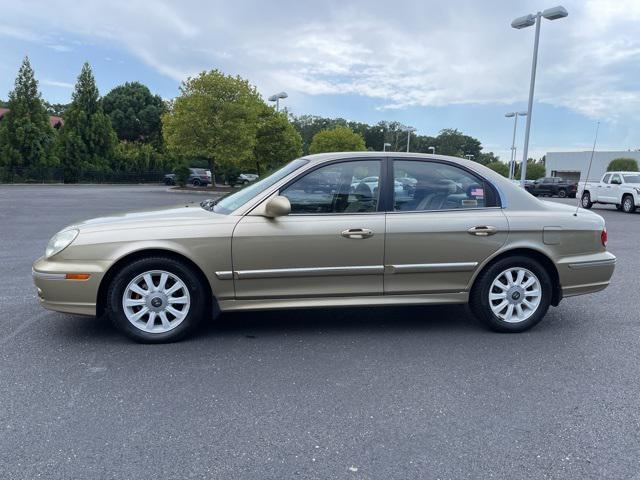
(632, 178)
(234, 201)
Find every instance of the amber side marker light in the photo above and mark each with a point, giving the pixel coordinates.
(77, 276)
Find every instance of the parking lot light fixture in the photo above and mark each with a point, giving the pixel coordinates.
(276, 98)
(512, 159)
(553, 13)
(469, 156)
(384, 146)
(433, 150)
(409, 130)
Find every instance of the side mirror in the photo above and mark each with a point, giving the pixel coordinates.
(277, 206)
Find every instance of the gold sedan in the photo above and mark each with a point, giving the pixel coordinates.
(332, 230)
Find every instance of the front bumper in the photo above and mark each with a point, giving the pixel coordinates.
(586, 273)
(57, 293)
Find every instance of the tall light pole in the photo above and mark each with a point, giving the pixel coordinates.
(276, 98)
(524, 22)
(409, 130)
(433, 150)
(512, 160)
(469, 156)
(384, 146)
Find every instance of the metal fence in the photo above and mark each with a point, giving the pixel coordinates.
(57, 175)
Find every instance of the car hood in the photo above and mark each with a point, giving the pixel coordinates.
(179, 215)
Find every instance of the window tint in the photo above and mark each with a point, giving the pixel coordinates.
(438, 186)
(631, 178)
(616, 179)
(347, 187)
(606, 178)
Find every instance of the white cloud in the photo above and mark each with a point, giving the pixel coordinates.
(400, 54)
(55, 83)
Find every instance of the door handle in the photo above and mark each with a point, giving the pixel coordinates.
(483, 230)
(357, 233)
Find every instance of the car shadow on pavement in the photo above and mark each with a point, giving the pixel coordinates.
(337, 320)
(406, 319)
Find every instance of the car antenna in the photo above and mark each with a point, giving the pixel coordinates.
(593, 150)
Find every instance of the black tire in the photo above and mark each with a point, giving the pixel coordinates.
(196, 183)
(562, 193)
(618, 207)
(479, 298)
(585, 200)
(168, 181)
(198, 294)
(628, 204)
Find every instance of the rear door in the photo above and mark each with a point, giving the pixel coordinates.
(440, 229)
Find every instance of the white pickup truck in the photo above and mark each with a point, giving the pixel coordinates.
(621, 189)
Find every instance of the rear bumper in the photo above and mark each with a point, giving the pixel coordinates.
(57, 293)
(586, 273)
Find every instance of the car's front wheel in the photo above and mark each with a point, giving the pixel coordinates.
(512, 295)
(156, 300)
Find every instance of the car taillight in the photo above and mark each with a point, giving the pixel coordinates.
(604, 237)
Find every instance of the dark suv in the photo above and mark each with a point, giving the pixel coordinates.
(552, 186)
(197, 177)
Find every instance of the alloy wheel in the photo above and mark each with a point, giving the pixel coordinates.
(156, 301)
(515, 295)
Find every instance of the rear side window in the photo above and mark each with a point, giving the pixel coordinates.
(424, 186)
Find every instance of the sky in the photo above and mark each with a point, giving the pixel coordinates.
(425, 63)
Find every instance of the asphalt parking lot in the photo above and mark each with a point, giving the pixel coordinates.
(392, 393)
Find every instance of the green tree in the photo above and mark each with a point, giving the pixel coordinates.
(499, 167)
(56, 109)
(453, 142)
(26, 137)
(535, 170)
(135, 113)
(86, 141)
(337, 139)
(216, 117)
(623, 165)
(277, 141)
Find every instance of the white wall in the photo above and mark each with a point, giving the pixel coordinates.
(572, 164)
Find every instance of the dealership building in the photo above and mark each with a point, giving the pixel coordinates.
(574, 165)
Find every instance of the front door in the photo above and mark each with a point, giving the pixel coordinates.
(332, 243)
(441, 228)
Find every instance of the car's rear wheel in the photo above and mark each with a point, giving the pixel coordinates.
(156, 300)
(628, 205)
(512, 295)
(562, 193)
(585, 200)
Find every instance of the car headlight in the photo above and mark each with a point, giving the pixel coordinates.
(60, 241)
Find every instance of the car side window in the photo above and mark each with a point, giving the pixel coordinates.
(606, 178)
(616, 180)
(346, 187)
(420, 185)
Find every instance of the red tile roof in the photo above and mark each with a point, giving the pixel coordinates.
(53, 120)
